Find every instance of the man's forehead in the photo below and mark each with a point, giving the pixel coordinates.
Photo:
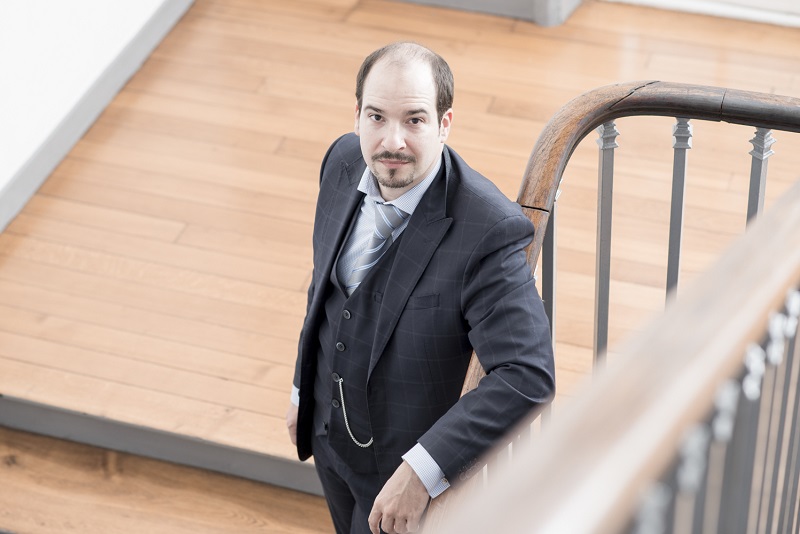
(400, 68)
(413, 77)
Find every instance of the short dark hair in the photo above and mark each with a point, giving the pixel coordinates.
(406, 50)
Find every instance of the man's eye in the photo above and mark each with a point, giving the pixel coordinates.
(415, 120)
(376, 118)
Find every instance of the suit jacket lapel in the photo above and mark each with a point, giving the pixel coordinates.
(420, 240)
(345, 198)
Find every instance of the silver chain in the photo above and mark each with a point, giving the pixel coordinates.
(347, 423)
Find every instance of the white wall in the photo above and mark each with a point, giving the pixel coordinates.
(61, 62)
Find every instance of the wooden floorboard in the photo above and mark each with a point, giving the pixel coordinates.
(54, 486)
(158, 277)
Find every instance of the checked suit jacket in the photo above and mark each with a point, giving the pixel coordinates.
(459, 281)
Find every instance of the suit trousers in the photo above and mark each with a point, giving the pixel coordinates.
(349, 495)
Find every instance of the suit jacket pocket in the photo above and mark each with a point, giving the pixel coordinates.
(421, 302)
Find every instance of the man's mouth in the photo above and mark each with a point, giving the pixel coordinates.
(393, 160)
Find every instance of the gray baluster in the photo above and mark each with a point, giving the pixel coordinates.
(768, 452)
(740, 456)
(726, 402)
(758, 170)
(605, 189)
(787, 512)
(691, 478)
(775, 452)
(682, 133)
(651, 518)
(549, 269)
(549, 280)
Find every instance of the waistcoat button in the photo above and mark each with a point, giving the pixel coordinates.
(340, 346)
(346, 314)
(335, 403)
(335, 377)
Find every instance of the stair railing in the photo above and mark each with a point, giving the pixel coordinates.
(599, 109)
(694, 429)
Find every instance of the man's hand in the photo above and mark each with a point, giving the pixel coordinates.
(291, 422)
(399, 506)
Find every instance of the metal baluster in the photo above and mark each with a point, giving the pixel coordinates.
(786, 514)
(758, 170)
(671, 483)
(682, 133)
(549, 269)
(651, 517)
(741, 453)
(691, 477)
(766, 452)
(777, 356)
(605, 189)
(700, 495)
(787, 510)
(549, 280)
(722, 425)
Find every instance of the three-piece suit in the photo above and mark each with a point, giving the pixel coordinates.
(397, 349)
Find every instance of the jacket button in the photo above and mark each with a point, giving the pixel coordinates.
(340, 346)
(335, 377)
(346, 314)
(335, 403)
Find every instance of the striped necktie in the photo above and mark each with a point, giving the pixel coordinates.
(387, 219)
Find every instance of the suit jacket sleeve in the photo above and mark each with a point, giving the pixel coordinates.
(509, 332)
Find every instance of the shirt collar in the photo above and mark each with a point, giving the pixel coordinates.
(409, 200)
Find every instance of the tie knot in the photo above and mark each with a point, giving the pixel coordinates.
(388, 218)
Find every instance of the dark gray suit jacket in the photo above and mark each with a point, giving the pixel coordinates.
(459, 282)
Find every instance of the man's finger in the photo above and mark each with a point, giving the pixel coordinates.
(374, 521)
(388, 524)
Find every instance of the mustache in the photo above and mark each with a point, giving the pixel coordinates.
(394, 156)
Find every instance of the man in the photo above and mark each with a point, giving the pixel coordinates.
(418, 261)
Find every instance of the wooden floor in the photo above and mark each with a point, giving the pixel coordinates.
(158, 277)
(58, 487)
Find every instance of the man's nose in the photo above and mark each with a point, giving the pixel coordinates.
(394, 140)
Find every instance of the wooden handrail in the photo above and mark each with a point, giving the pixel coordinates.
(583, 114)
(585, 473)
(575, 120)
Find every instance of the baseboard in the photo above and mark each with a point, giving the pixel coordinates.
(26, 181)
(720, 9)
(541, 12)
(59, 423)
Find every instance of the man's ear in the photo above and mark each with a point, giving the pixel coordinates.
(444, 125)
(358, 116)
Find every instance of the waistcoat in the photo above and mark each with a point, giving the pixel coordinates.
(345, 344)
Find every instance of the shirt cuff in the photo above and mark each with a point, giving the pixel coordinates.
(427, 470)
(295, 398)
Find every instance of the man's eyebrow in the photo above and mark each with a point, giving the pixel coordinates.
(420, 111)
(372, 108)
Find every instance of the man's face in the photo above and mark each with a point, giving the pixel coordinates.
(401, 136)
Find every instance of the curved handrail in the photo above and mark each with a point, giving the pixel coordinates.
(580, 116)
